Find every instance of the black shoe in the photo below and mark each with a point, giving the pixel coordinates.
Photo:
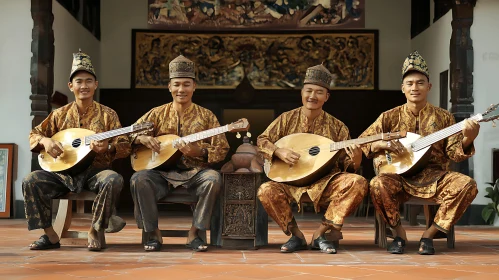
(426, 247)
(294, 244)
(397, 246)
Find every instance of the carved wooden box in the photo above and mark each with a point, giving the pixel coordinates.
(244, 222)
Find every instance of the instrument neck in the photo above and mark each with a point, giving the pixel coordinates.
(359, 141)
(433, 138)
(108, 134)
(204, 134)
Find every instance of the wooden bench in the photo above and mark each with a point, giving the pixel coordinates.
(64, 216)
(430, 210)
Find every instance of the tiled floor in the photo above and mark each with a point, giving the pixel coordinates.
(476, 257)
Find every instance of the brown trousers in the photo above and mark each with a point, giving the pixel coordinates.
(454, 193)
(342, 195)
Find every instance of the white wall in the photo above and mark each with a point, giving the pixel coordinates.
(70, 36)
(15, 61)
(485, 92)
(433, 44)
(393, 20)
(119, 17)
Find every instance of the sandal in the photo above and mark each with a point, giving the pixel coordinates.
(195, 243)
(294, 244)
(326, 246)
(44, 244)
(155, 244)
(426, 247)
(397, 246)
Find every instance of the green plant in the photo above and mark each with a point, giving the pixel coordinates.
(492, 209)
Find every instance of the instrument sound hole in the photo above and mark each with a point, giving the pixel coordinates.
(314, 151)
(76, 143)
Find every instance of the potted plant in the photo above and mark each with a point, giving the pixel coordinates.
(491, 210)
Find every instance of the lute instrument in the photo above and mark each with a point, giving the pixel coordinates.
(77, 155)
(418, 148)
(317, 156)
(145, 158)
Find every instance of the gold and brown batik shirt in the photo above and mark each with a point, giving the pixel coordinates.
(430, 119)
(96, 117)
(194, 119)
(295, 121)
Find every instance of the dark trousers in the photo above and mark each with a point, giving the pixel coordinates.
(150, 186)
(40, 187)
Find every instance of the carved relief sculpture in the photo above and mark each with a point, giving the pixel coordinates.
(273, 14)
(268, 61)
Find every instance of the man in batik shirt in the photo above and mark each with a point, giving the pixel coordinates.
(40, 186)
(452, 190)
(181, 117)
(339, 192)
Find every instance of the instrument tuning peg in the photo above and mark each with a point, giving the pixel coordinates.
(493, 124)
(238, 135)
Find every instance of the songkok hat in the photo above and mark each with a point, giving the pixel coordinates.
(181, 67)
(81, 62)
(415, 62)
(318, 75)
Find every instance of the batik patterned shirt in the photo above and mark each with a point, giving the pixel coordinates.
(430, 119)
(295, 121)
(194, 119)
(96, 117)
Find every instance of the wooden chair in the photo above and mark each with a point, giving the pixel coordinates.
(64, 217)
(430, 210)
(182, 196)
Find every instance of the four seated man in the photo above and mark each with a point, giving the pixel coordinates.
(339, 191)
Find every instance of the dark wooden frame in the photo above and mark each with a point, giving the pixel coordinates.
(264, 32)
(9, 179)
(444, 89)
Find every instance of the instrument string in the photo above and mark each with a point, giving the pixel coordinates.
(340, 145)
(439, 135)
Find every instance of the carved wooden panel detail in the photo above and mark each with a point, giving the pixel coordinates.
(239, 219)
(240, 187)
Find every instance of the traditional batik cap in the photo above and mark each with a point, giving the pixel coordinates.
(318, 75)
(81, 62)
(415, 62)
(181, 67)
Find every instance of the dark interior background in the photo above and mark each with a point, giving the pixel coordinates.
(357, 109)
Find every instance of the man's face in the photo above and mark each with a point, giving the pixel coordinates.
(182, 89)
(416, 87)
(83, 85)
(313, 97)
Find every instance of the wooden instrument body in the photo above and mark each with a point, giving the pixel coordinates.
(75, 159)
(409, 163)
(145, 158)
(309, 168)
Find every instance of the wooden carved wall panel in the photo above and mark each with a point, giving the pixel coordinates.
(267, 60)
(268, 14)
(239, 219)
